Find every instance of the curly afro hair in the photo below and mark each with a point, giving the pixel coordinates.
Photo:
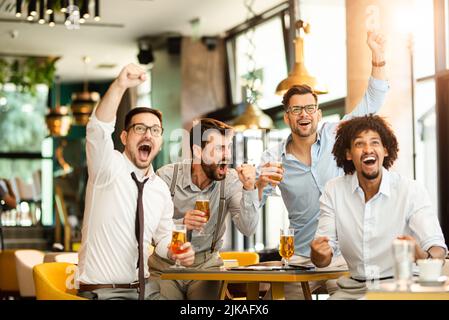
(348, 130)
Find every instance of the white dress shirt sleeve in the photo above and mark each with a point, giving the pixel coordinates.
(423, 220)
(100, 150)
(373, 99)
(162, 236)
(327, 220)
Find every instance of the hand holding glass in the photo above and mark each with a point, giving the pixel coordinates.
(274, 165)
(179, 237)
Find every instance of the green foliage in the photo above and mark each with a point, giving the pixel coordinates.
(27, 73)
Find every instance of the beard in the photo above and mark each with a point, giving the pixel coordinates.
(212, 171)
(371, 176)
(304, 134)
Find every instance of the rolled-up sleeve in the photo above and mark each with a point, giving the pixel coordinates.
(373, 99)
(423, 220)
(243, 207)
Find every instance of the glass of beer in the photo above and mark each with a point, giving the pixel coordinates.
(203, 206)
(277, 164)
(178, 238)
(287, 245)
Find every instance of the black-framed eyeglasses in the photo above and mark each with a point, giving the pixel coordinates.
(309, 108)
(141, 129)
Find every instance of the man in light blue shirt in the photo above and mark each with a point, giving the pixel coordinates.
(306, 156)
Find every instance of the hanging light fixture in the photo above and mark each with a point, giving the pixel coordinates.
(32, 8)
(69, 10)
(97, 10)
(253, 117)
(18, 8)
(83, 103)
(64, 5)
(299, 74)
(50, 5)
(51, 21)
(85, 9)
(41, 12)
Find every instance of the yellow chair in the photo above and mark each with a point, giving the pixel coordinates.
(243, 258)
(55, 281)
(238, 290)
(9, 285)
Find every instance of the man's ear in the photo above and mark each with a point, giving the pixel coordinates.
(286, 120)
(348, 155)
(123, 137)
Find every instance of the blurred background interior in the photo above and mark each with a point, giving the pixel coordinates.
(217, 58)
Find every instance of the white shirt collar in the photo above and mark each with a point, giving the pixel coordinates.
(384, 183)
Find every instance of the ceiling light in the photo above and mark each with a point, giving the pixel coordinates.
(52, 20)
(64, 5)
(32, 8)
(299, 74)
(41, 11)
(18, 8)
(97, 10)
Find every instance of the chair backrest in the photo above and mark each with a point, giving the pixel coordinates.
(8, 274)
(55, 281)
(25, 261)
(69, 257)
(244, 258)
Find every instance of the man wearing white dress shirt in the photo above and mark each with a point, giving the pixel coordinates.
(109, 253)
(365, 210)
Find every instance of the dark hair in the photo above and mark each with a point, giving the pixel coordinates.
(299, 89)
(348, 131)
(202, 126)
(131, 113)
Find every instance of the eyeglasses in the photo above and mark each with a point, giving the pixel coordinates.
(141, 129)
(309, 108)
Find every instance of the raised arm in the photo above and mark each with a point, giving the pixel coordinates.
(99, 145)
(376, 42)
(375, 94)
(130, 76)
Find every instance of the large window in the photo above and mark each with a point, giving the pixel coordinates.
(325, 45)
(425, 97)
(266, 46)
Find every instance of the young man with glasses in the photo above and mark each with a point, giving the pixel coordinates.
(307, 160)
(127, 205)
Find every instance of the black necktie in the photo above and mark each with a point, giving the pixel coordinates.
(139, 235)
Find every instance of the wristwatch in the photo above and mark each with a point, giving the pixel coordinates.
(379, 64)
